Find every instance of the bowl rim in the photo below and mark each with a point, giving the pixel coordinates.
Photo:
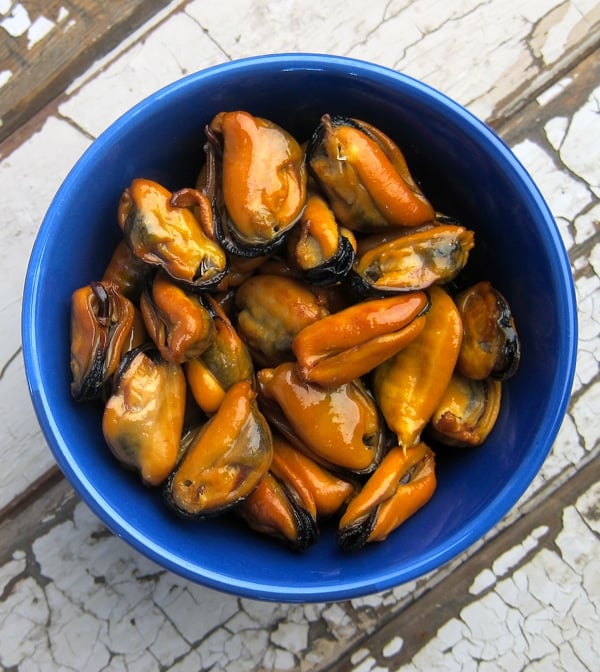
(345, 588)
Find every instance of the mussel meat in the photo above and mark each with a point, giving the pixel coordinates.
(224, 459)
(126, 271)
(409, 386)
(143, 418)
(467, 412)
(322, 250)
(225, 361)
(491, 345)
(255, 177)
(364, 176)
(350, 343)
(270, 510)
(176, 319)
(339, 427)
(103, 327)
(271, 310)
(171, 237)
(403, 483)
(319, 492)
(433, 254)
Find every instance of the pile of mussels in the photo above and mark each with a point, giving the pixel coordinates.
(280, 339)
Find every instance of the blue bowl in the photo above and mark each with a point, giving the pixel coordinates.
(465, 170)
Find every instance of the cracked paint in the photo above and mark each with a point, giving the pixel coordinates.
(528, 620)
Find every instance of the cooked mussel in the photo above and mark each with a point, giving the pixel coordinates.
(467, 412)
(104, 326)
(294, 496)
(365, 176)
(126, 271)
(255, 177)
(270, 510)
(491, 345)
(352, 342)
(322, 250)
(162, 234)
(405, 261)
(143, 418)
(319, 492)
(225, 361)
(271, 310)
(224, 459)
(409, 386)
(340, 427)
(403, 483)
(176, 319)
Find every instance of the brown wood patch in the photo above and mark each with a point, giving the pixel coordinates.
(44, 44)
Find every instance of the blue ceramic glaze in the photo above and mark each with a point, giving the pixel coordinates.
(465, 170)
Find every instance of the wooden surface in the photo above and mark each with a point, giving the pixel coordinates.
(74, 597)
(47, 43)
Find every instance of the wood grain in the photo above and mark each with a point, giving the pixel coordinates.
(44, 44)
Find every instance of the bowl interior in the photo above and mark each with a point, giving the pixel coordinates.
(464, 169)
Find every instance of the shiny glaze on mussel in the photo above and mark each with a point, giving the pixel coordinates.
(104, 325)
(271, 311)
(406, 261)
(294, 496)
(409, 386)
(176, 319)
(163, 234)
(403, 483)
(321, 249)
(467, 412)
(320, 492)
(491, 345)
(339, 427)
(255, 177)
(364, 176)
(143, 418)
(126, 271)
(352, 342)
(224, 459)
(272, 511)
(225, 361)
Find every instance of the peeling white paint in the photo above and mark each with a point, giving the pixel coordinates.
(17, 23)
(5, 76)
(38, 30)
(553, 91)
(63, 13)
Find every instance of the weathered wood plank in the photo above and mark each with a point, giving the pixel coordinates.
(44, 44)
